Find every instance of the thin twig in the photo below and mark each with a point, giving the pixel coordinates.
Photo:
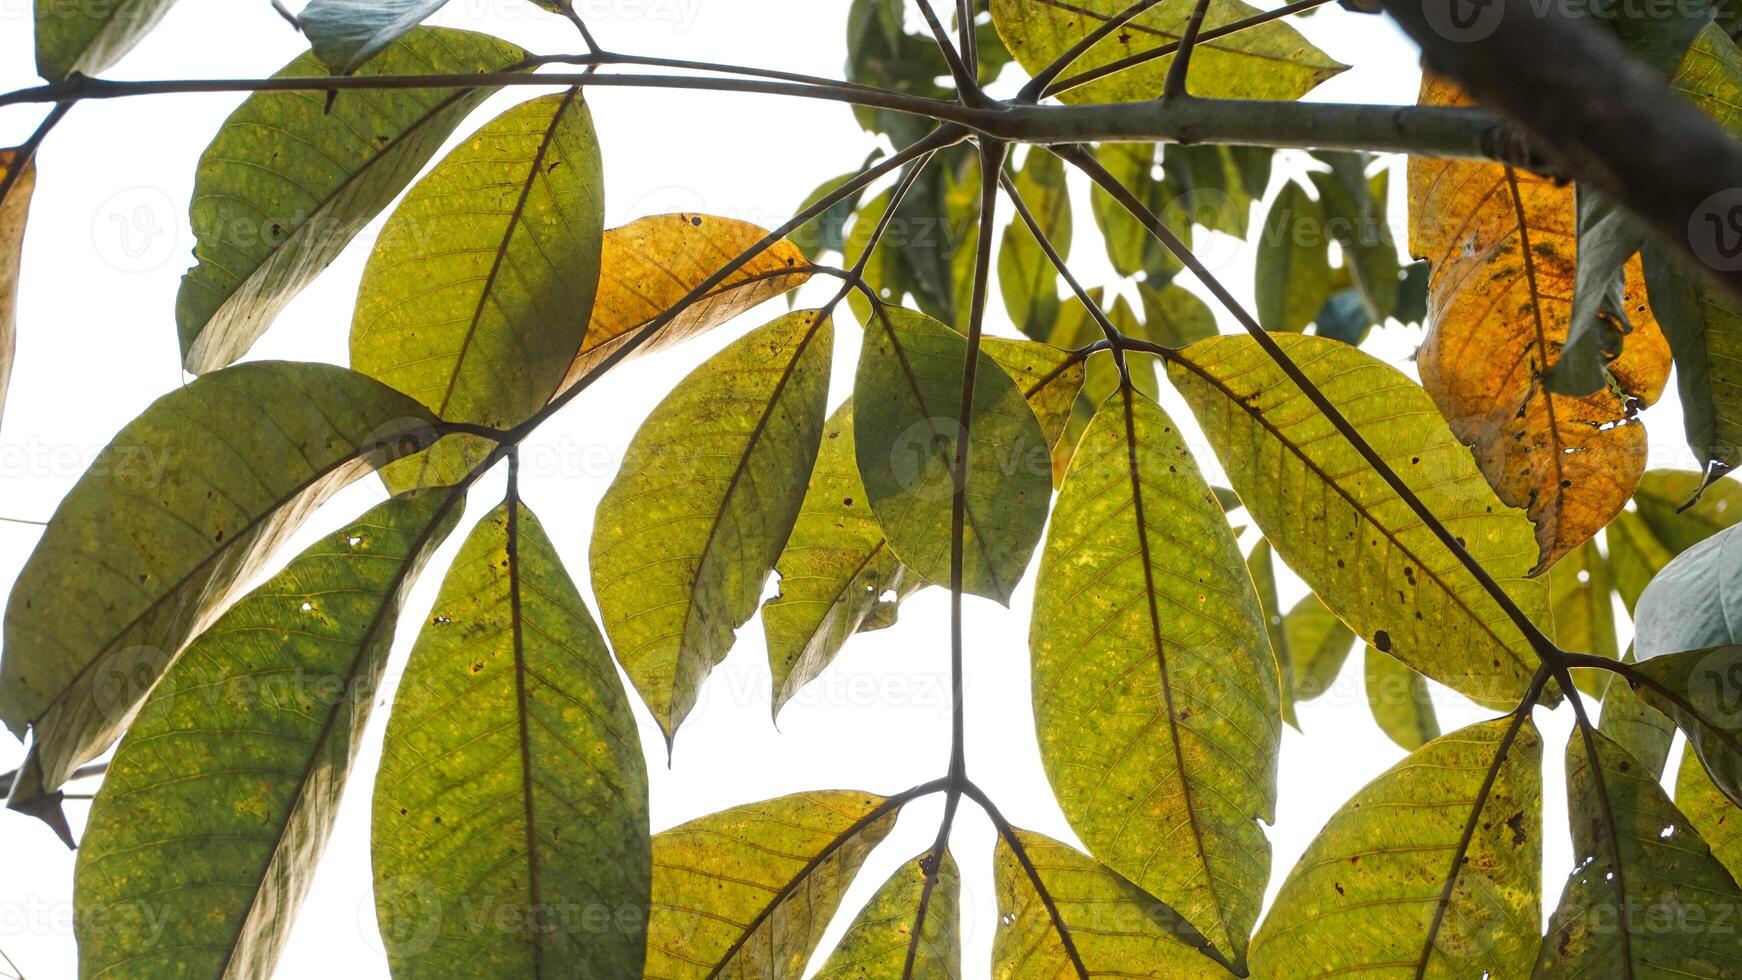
(1115, 339)
(967, 86)
(856, 275)
(568, 10)
(1175, 86)
(26, 151)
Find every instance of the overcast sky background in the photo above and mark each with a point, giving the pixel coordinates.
(108, 241)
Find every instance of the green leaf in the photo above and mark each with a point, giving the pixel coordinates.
(1089, 921)
(1026, 277)
(1694, 601)
(1130, 246)
(1701, 690)
(708, 494)
(1155, 694)
(291, 179)
(1580, 588)
(748, 892)
(1647, 916)
(1349, 535)
(13, 212)
(1608, 237)
(1049, 378)
(837, 574)
(649, 265)
(1714, 817)
(1398, 698)
(184, 506)
(1704, 329)
(1354, 211)
(1294, 275)
(1636, 726)
(1271, 61)
(1174, 316)
(346, 33)
(220, 800)
(512, 786)
(878, 942)
(88, 38)
(1432, 869)
(478, 292)
(1318, 643)
(908, 393)
(1259, 562)
(1211, 187)
(827, 232)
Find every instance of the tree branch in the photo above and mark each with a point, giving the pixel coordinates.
(1596, 114)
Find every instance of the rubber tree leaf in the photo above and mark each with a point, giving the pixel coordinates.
(1608, 238)
(748, 892)
(827, 232)
(1431, 870)
(1026, 277)
(1211, 187)
(907, 395)
(182, 507)
(648, 265)
(708, 494)
(477, 295)
(1636, 726)
(837, 573)
(1354, 211)
(90, 37)
(1701, 690)
(1580, 590)
(1174, 316)
(1089, 922)
(1673, 511)
(1294, 273)
(291, 178)
(13, 212)
(1645, 917)
(877, 944)
(1695, 601)
(1399, 700)
(1704, 327)
(1271, 61)
(1714, 817)
(1501, 243)
(512, 786)
(346, 33)
(1130, 246)
(1344, 531)
(1318, 643)
(219, 802)
(1261, 565)
(1155, 692)
(838, 576)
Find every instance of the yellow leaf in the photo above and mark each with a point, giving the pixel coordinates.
(13, 210)
(650, 264)
(1502, 247)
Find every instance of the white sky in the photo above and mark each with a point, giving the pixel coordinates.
(107, 244)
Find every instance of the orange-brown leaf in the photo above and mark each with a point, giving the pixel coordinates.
(649, 264)
(1502, 244)
(12, 214)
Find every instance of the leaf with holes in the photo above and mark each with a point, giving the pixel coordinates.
(906, 426)
(1432, 869)
(1346, 532)
(648, 265)
(511, 777)
(477, 294)
(185, 505)
(748, 892)
(291, 178)
(1270, 61)
(1085, 920)
(881, 941)
(1644, 915)
(1155, 692)
(708, 494)
(220, 800)
(1501, 243)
